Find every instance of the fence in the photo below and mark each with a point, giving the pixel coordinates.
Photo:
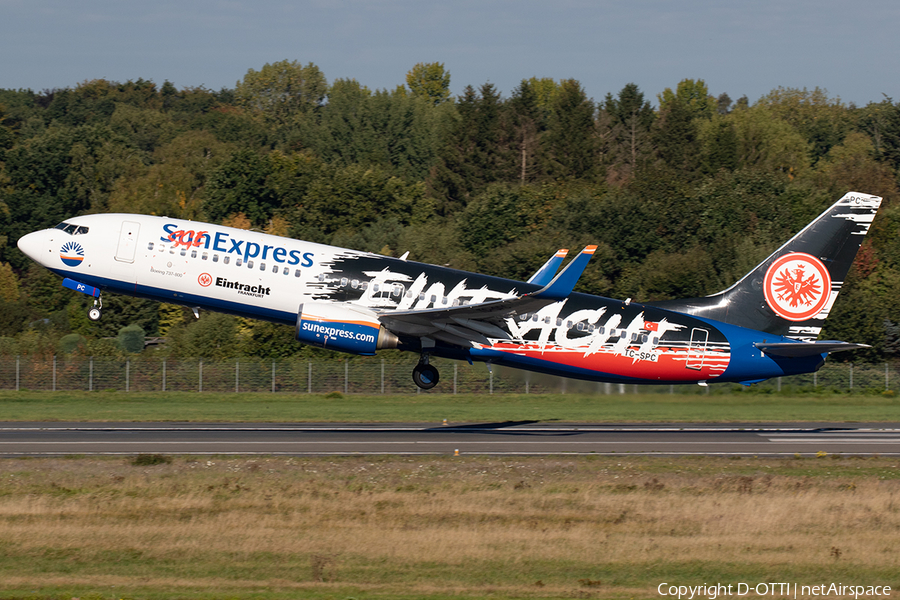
(371, 376)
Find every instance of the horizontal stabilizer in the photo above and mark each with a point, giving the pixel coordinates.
(799, 349)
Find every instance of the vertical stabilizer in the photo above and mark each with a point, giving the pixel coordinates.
(792, 291)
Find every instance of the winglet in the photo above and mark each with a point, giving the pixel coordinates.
(546, 272)
(563, 284)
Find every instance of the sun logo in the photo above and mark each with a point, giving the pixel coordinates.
(71, 254)
(797, 286)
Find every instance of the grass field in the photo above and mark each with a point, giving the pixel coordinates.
(440, 527)
(430, 408)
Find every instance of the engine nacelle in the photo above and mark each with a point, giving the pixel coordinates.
(342, 327)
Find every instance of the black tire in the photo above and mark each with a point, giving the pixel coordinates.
(426, 376)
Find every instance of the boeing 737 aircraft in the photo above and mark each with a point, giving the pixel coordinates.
(763, 326)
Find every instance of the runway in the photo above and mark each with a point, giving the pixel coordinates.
(506, 438)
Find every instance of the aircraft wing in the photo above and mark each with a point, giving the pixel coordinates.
(546, 272)
(467, 324)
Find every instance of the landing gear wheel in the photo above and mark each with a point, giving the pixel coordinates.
(94, 314)
(425, 376)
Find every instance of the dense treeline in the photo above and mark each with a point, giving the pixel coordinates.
(682, 197)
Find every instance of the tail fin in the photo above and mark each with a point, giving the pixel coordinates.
(792, 291)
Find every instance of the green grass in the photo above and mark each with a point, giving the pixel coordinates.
(439, 527)
(430, 408)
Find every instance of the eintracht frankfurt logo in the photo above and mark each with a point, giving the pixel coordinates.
(205, 279)
(797, 286)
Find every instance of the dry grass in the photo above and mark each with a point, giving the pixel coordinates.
(472, 526)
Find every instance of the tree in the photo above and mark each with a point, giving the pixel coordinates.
(429, 81)
(570, 141)
(692, 95)
(282, 89)
(629, 119)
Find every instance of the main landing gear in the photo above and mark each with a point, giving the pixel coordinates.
(95, 313)
(424, 375)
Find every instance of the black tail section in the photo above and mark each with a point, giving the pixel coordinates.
(791, 292)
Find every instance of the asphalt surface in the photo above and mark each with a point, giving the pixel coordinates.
(507, 438)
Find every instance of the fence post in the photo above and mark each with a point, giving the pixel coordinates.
(273, 376)
(200, 377)
(851, 377)
(779, 384)
(17, 373)
(91, 375)
(491, 377)
(164, 375)
(346, 375)
(54, 372)
(382, 376)
(127, 374)
(527, 381)
(309, 379)
(815, 380)
(237, 375)
(886, 376)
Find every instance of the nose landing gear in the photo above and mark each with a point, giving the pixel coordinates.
(95, 312)
(425, 375)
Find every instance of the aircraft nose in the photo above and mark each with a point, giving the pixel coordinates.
(32, 245)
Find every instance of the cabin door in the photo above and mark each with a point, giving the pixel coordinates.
(128, 236)
(697, 349)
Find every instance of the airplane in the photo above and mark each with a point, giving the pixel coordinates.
(763, 326)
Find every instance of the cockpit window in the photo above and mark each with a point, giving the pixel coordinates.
(72, 229)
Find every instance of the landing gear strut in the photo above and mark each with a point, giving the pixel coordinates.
(424, 375)
(95, 312)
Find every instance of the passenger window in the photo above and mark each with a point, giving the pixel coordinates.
(344, 281)
(193, 254)
(150, 246)
(433, 298)
(274, 268)
(204, 256)
(297, 273)
(184, 252)
(375, 287)
(172, 250)
(559, 322)
(444, 300)
(237, 262)
(249, 264)
(262, 266)
(354, 284)
(580, 326)
(602, 330)
(225, 259)
(364, 285)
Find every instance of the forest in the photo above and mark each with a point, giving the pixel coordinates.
(683, 192)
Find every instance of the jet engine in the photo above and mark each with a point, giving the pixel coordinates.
(342, 327)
